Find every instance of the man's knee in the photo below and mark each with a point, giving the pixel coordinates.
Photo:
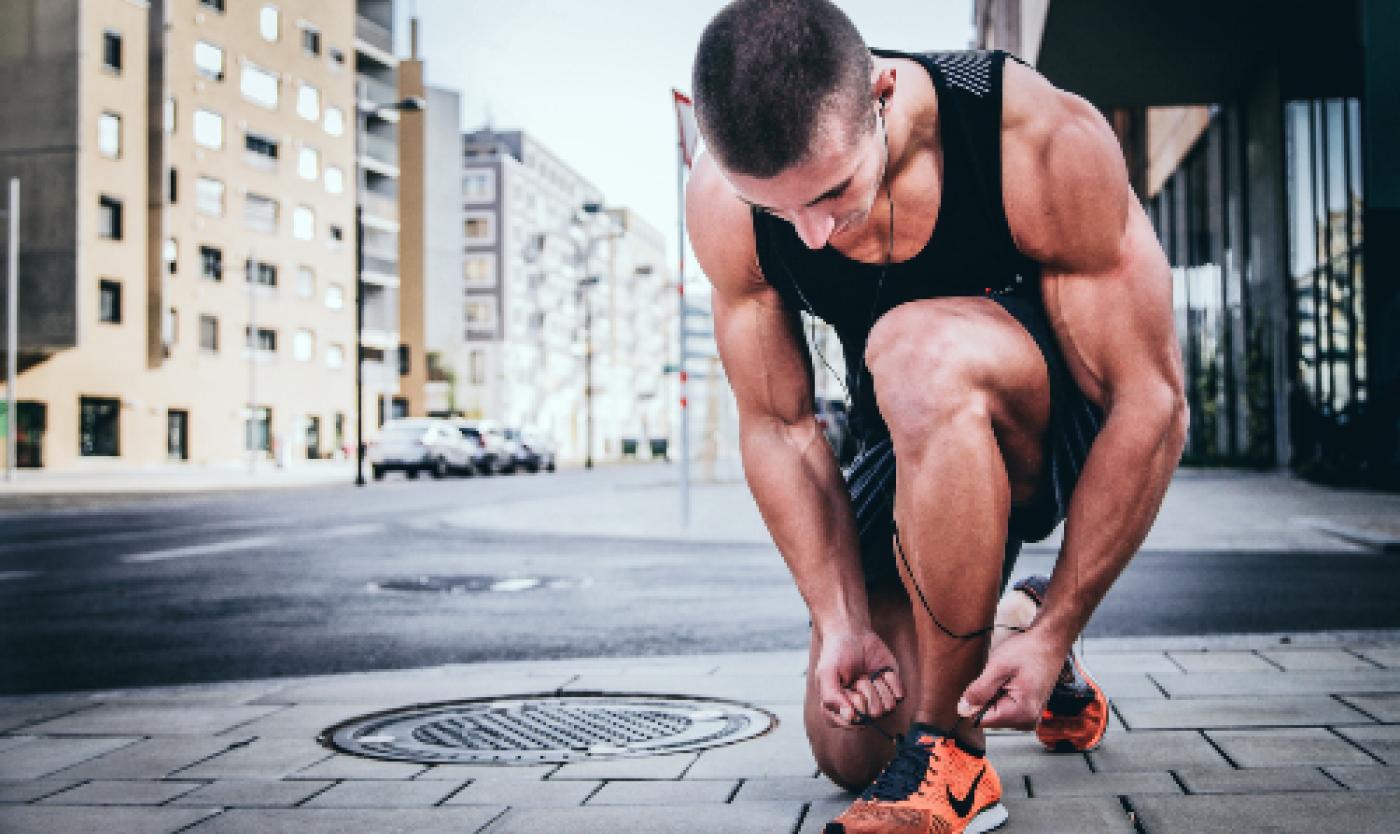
(850, 766)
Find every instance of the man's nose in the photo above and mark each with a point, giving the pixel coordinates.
(814, 227)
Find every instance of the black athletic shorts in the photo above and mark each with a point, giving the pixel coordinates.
(1074, 423)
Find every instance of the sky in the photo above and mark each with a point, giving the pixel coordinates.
(592, 79)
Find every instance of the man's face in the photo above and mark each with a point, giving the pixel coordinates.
(830, 194)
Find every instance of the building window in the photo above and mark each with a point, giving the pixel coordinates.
(260, 213)
(109, 218)
(335, 356)
(308, 164)
(479, 186)
(112, 51)
(303, 223)
(208, 129)
(261, 339)
(98, 426)
(208, 334)
(335, 296)
(308, 102)
(172, 186)
(479, 229)
(481, 313)
(215, 5)
(170, 329)
(405, 362)
(257, 435)
(211, 263)
(311, 39)
(261, 151)
(262, 273)
(109, 307)
(337, 233)
(337, 56)
(303, 346)
(209, 196)
(258, 85)
(109, 135)
(479, 271)
(306, 282)
(209, 60)
(335, 121)
(269, 23)
(477, 367)
(335, 180)
(170, 252)
(169, 110)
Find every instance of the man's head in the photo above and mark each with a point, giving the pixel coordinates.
(787, 100)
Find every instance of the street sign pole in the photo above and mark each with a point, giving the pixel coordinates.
(12, 332)
(684, 346)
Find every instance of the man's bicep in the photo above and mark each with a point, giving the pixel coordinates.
(759, 344)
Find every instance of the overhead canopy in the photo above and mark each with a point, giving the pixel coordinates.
(1128, 54)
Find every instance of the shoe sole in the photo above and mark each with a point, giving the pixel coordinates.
(1064, 745)
(988, 819)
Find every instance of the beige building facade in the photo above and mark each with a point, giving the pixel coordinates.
(188, 262)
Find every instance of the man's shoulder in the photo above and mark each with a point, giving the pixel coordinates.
(720, 226)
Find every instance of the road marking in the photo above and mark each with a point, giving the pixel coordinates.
(17, 574)
(349, 530)
(200, 549)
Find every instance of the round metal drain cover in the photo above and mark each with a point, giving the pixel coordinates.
(547, 729)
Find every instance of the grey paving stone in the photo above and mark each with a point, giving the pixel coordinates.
(1057, 815)
(113, 792)
(1155, 750)
(152, 758)
(390, 794)
(518, 793)
(657, 767)
(6, 742)
(219, 694)
(305, 720)
(820, 813)
(1194, 662)
(121, 719)
(1207, 713)
(1385, 656)
(1264, 684)
(1287, 747)
(252, 793)
(15, 715)
(1383, 742)
(342, 820)
(1313, 660)
(1131, 685)
(1364, 813)
(1101, 784)
(1129, 663)
(488, 773)
(685, 792)
(1014, 766)
(81, 819)
(1256, 780)
(792, 788)
(410, 690)
(264, 758)
(30, 790)
(754, 760)
(1367, 778)
(748, 818)
(766, 689)
(47, 755)
(1385, 708)
(354, 767)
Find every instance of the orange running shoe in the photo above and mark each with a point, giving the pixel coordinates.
(1076, 716)
(933, 785)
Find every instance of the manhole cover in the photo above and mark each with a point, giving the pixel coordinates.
(470, 584)
(544, 729)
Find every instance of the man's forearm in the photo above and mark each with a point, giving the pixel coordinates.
(800, 493)
(1120, 490)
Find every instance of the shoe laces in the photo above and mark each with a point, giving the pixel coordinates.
(906, 772)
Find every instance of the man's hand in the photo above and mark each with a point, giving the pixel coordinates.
(856, 672)
(1012, 690)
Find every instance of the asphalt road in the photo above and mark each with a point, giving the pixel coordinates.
(107, 592)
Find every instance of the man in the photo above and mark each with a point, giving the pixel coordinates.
(1006, 315)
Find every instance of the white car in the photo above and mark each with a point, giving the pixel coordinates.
(412, 446)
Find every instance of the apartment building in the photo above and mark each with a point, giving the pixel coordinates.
(187, 266)
(1259, 144)
(377, 120)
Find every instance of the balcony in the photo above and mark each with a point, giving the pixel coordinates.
(381, 149)
(374, 34)
(372, 92)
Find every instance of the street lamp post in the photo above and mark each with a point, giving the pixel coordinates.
(584, 285)
(12, 331)
(404, 105)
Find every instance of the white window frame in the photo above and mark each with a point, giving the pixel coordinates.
(488, 303)
(206, 190)
(303, 223)
(334, 123)
(206, 121)
(308, 106)
(303, 345)
(335, 296)
(210, 61)
(109, 134)
(270, 23)
(335, 180)
(308, 163)
(487, 258)
(252, 77)
(306, 282)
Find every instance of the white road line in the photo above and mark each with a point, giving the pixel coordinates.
(348, 530)
(17, 574)
(201, 549)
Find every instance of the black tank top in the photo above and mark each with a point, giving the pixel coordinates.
(970, 253)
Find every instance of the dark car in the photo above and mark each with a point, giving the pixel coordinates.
(836, 425)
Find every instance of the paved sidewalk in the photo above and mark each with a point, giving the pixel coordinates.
(1211, 735)
(99, 479)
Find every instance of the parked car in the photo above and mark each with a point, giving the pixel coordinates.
(495, 454)
(412, 446)
(533, 452)
(836, 425)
